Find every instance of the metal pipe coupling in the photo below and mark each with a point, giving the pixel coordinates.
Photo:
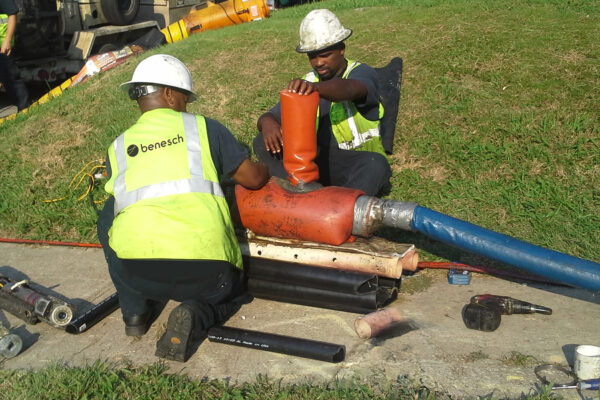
(371, 213)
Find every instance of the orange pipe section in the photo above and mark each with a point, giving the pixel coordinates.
(373, 324)
(324, 215)
(298, 125)
(216, 16)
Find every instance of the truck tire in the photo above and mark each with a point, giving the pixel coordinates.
(105, 48)
(120, 12)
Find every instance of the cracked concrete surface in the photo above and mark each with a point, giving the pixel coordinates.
(432, 344)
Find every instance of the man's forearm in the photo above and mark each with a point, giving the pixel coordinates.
(266, 118)
(11, 26)
(342, 90)
(10, 30)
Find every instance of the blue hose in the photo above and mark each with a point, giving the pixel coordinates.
(551, 264)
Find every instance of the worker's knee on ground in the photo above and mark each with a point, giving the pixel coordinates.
(372, 174)
(378, 163)
(384, 172)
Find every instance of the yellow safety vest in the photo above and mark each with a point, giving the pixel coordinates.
(174, 212)
(351, 130)
(4, 28)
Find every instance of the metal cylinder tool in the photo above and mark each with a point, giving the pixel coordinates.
(10, 343)
(36, 305)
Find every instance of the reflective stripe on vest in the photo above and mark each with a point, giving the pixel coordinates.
(351, 138)
(196, 183)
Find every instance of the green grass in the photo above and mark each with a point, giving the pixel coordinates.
(498, 122)
(113, 381)
(106, 381)
(520, 359)
(498, 125)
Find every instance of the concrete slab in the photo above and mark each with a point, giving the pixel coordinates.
(432, 344)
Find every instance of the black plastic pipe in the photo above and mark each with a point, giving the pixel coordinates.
(316, 277)
(350, 302)
(289, 345)
(95, 314)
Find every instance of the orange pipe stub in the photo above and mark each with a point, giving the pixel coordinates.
(298, 125)
(324, 215)
(373, 324)
(410, 261)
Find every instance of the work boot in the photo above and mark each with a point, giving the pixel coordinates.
(188, 323)
(138, 324)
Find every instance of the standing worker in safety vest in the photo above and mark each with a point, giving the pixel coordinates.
(172, 237)
(350, 153)
(9, 74)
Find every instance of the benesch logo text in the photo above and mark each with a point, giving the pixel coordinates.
(133, 150)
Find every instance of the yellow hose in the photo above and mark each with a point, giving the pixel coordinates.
(215, 16)
(231, 12)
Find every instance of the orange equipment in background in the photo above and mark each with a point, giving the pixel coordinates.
(298, 125)
(216, 15)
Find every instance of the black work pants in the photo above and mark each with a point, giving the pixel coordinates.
(363, 170)
(140, 283)
(11, 80)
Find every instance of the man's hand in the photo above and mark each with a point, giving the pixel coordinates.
(272, 135)
(302, 87)
(6, 47)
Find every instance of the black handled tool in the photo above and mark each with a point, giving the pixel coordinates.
(507, 305)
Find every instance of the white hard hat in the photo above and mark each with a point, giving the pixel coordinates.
(163, 70)
(321, 29)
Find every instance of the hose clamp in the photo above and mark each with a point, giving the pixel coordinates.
(398, 214)
(368, 215)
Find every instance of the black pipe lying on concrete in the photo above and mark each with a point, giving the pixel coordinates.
(315, 277)
(94, 314)
(319, 287)
(289, 293)
(293, 346)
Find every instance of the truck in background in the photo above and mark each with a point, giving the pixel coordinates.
(54, 38)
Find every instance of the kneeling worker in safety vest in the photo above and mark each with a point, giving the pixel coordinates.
(172, 237)
(350, 152)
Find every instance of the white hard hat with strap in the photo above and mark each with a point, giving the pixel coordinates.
(162, 70)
